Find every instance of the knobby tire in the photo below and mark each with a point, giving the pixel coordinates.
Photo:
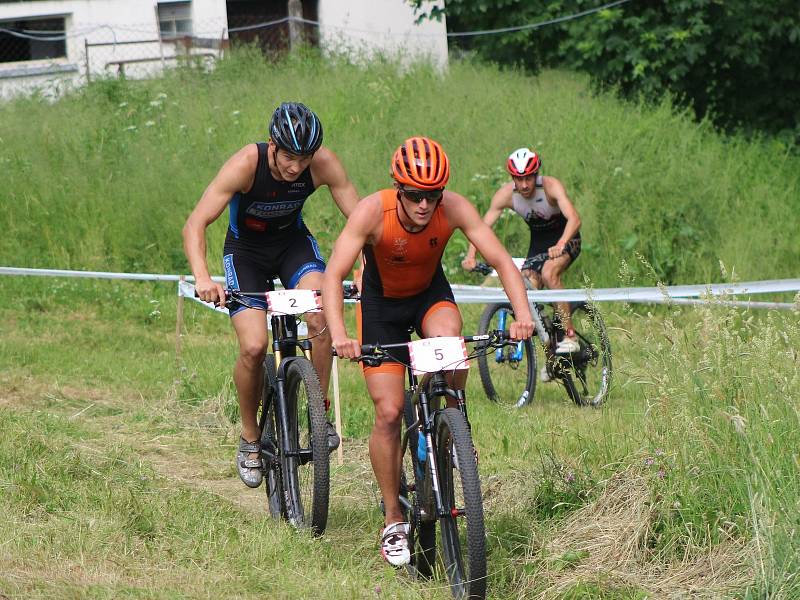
(273, 483)
(526, 367)
(306, 478)
(463, 553)
(423, 530)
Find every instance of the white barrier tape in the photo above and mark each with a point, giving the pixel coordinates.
(476, 294)
(186, 290)
(657, 295)
(99, 274)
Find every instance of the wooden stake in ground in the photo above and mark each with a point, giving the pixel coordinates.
(179, 321)
(337, 413)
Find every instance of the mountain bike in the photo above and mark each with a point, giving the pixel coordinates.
(292, 419)
(509, 374)
(439, 477)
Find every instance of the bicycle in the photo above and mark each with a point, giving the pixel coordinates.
(439, 476)
(512, 373)
(292, 419)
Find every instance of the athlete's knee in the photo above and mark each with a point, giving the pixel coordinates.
(251, 352)
(388, 415)
(551, 277)
(316, 326)
(445, 321)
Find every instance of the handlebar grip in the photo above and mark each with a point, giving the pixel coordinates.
(482, 268)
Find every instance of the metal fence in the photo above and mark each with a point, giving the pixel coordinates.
(44, 56)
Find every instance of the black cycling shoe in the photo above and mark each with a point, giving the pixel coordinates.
(333, 437)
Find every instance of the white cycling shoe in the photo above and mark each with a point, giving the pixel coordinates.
(394, 544)
(568, 345)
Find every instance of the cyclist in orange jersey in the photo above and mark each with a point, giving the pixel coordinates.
(403, 232)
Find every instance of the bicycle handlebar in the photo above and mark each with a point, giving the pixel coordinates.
(349, 291)
(374, 354)
(482, 268)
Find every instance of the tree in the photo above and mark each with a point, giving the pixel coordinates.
(735, 61)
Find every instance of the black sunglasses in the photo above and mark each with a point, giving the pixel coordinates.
(417, 196)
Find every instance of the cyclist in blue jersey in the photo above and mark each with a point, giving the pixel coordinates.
(554, 225)
(265, 186)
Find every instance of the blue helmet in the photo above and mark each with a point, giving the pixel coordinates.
(295, 128)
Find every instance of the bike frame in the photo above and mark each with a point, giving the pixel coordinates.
(284, 345)
(432, 385)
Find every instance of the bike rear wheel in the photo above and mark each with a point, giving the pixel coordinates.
(422, 541)
(508, 374)
(461, 529)
(588, 376)
(266, 423)
(305, 469)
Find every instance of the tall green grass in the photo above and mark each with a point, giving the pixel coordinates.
(104, 178)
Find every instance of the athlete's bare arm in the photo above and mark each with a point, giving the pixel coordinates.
(460, 213)
(326, 169)
(363, 226)
(500, 201)
(555, 191)
(236, 175)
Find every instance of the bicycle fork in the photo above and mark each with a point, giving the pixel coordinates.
(441, 511)
(516, 354)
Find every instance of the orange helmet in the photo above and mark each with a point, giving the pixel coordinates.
(420, 162)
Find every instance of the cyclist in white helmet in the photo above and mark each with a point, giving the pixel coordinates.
(554, 225)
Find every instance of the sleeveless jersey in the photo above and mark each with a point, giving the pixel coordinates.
(271, 211)
(537, 211)
(403, 263)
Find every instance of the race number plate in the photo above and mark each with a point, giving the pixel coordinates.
(293, 302)
(436, 354)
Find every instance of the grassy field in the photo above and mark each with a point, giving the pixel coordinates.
(116, 471)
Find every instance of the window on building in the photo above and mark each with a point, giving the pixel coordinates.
(175, 19)
(32, 39)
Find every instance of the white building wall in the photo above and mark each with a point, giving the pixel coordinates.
(99, 21)
(386, 26)
(365, 26)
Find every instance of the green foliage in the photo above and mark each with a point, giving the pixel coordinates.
(734, 61)
(105, 178)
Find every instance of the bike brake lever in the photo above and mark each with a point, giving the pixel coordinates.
(370, 361)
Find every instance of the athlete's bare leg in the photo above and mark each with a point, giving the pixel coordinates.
(445, 320)
(251, 329)
(387, 392)
(551, 277)
(321, 354)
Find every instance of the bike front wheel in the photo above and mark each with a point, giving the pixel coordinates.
(588, 376)
(461, 526)
(508, 374)
(305, 468)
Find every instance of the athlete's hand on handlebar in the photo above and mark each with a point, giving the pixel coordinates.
(210, 291)
(468, 264)
(556, 251)
(521, 330)
(346, 347)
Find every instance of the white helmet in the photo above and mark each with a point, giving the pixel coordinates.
(523, 162)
